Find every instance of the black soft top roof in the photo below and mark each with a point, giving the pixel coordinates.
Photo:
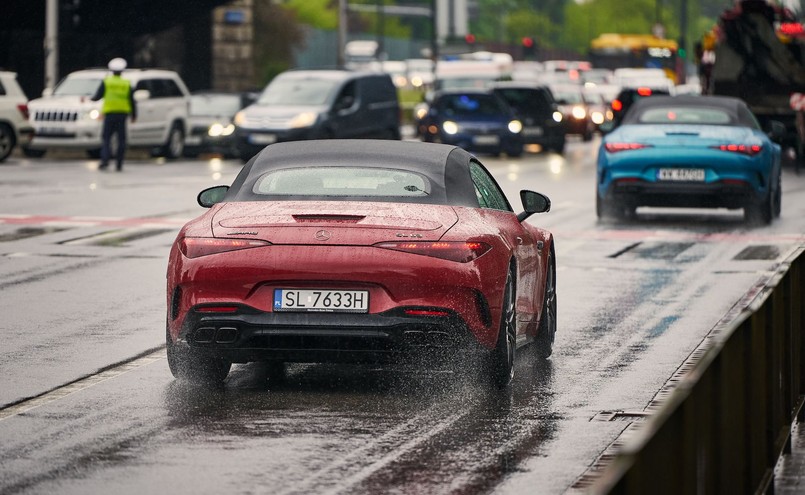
(446, 167)
(735, 107)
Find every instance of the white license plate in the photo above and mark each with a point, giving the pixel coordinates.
(262, 138)
(532, 131)
(681, 174)
(51, 130)
(321, 300)
(485, 140)
(192, 140)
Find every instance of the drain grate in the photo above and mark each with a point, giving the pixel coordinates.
(758, 253)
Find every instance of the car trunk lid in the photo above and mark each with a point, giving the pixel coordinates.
(332, 222)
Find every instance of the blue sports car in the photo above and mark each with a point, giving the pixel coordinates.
(690, 151)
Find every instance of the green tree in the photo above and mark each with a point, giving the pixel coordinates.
(277, 32)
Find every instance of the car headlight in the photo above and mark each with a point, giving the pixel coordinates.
(515, 126)
(240, 118)
(557, 116)
(218, 129)
(450, 127)
(420, 112)
(94, 114)
(579, 112)
(598, 117)
(305, 119)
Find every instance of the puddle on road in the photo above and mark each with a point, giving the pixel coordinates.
(28, 232)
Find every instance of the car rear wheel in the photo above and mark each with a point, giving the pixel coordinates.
(188, 364)
(7, 141)
(778, 197)
(501, 365)
(761, 213)
(547, 322)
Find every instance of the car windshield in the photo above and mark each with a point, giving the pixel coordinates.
(298, 92)
(568, 97)
(317, 182)
(78, 86)
(525, 100)
(214, 105)
(684, 115)
(469, 105)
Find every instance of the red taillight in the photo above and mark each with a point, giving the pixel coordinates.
(217, 309)
(746, 149)
(194, 247)
(461, 252)
(617, 105)
(426, 312)
(644, 91)
(616, 147)
(23, 108)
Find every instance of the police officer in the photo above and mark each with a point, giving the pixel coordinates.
(118, 104)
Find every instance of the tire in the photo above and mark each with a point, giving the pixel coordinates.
(778, 197)
(32, 153)
(174, 146)
(501, 359)
(7, 141)
(619, 210)
(547, 321)
(186, 364)
(761, 213)
(514, 151)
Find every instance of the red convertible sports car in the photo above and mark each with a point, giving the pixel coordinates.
(360, 250)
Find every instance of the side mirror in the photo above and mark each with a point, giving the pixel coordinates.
(776, 131)
(344, 103)
(142, 94)
(533, 202)
(212, 196)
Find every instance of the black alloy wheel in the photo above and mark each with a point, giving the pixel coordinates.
(778, 197)
(501, 363)
(547, 322)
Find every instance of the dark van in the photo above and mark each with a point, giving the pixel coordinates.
(534, 105)
(319, 104)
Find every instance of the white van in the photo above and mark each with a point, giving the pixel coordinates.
(68, 118)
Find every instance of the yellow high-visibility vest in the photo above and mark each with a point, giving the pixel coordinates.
(116, 96)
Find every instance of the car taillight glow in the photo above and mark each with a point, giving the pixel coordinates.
(194, 247)
(426, 312)
(644, 91)
(746, 149)
(462, 252)
(616, 147)
(617, 105)
(217, 309)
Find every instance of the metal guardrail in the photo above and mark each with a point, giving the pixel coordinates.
(728, 421)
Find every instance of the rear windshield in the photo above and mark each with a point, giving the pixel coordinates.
(317, 182)
(78, 86)
(298, 92)
(685, 115)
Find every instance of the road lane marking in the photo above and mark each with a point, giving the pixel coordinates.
(84, 383)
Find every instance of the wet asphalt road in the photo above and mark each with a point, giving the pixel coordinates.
(87, 404)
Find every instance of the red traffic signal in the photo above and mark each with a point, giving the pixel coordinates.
(469, 39)
(528, 42)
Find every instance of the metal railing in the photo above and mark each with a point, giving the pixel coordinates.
(728, 421)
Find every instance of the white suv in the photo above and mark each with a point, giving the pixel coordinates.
(14, 128)
(68, 118)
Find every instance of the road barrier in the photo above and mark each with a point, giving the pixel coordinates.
(725, 425)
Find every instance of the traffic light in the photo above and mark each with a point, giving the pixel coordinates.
(469, 39)
(529, 46)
